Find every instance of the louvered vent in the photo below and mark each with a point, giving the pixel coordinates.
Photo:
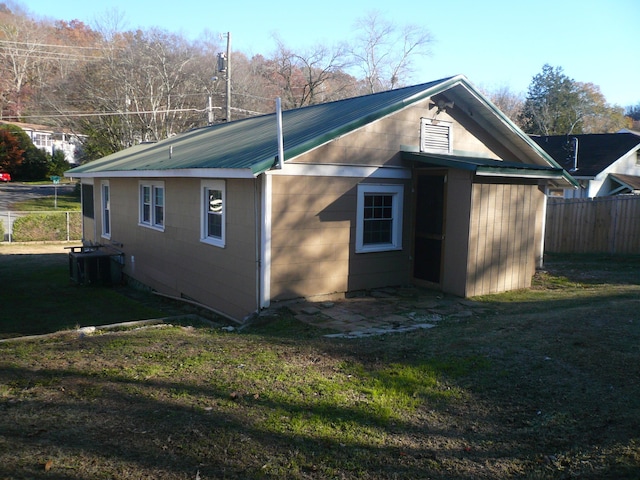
(435, 136)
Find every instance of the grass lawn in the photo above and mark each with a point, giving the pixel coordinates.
(37, 296)
(542, 384)
(64, 202)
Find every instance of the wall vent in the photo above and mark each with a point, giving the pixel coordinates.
(435, 136)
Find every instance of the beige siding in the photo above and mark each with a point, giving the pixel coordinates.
(174, 261)
(456, 242)
(313, 237)
(502, 245)
(378, 143)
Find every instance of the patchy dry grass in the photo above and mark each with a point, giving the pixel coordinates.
(545, 384)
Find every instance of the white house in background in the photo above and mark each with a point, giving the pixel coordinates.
(52, 139)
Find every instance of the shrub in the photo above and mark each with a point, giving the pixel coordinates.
(1, 231)
(40, 227)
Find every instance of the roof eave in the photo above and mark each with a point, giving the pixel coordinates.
(519, 133)
(168, 173)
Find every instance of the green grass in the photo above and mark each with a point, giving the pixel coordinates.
(65, 202)
(38, 296)
(541, 384)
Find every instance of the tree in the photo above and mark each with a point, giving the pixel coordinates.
(558, 105)
(11, 155)
(58, 164)
(147, 85)
(599, 116)
(33, 164)
(549, 108)
(303, 77)
(633, 112)
(385, 53)
(508, 102)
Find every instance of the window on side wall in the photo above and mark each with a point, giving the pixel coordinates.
(379, 218)
(106, 209)
(213, 212)
(152, 201)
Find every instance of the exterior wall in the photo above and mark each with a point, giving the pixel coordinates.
(491, 230)
(502, 246)
(456, 241)
(601, 185)
(174, 261)
(313, 239)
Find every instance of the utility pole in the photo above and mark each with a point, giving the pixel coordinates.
(224, 66)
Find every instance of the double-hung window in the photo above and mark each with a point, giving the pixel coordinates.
(213, 212)
(379, 218)
(106, 209)
(152, 205)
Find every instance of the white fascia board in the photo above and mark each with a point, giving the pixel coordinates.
(357, 171)
(177, 173)
(536, 176)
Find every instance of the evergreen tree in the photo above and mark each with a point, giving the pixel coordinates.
(552, 106)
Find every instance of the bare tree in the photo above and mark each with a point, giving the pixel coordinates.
(304, 77)
(21, 45)
(385, 53)
(509, 102)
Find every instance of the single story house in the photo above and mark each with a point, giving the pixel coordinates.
(604, 164)
(429, 184)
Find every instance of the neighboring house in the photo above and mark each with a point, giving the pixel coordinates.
(51, 139)
(429, 184)
(604, 164)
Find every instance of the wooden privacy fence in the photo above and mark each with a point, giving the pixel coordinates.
(593, 225)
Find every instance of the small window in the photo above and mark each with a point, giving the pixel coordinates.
(638, 158)
(379, 218)
(152, 205)
(213, 213)
(106, 210)
(435, 136)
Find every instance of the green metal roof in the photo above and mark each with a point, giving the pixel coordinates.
(485, 166)
(248, 147)
(251, 143)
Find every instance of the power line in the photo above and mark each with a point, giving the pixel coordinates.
(114, 114)
(15, 42)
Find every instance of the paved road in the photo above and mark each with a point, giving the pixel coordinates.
(11, 193)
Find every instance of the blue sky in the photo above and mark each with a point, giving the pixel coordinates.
(494, 43)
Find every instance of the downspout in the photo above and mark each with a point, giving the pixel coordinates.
(258, 235)
(265, 243)
(544, 229)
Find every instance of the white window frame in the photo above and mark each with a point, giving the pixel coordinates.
(152, 222)
(427, 125)
(105, 201)
(397, 193)
(205, 187)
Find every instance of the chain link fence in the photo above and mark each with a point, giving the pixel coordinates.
(40, 226)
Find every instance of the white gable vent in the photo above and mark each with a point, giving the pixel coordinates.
(435, 136)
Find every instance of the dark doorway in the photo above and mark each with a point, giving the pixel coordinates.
(429, 226)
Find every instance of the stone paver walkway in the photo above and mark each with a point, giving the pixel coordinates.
(383, 311)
